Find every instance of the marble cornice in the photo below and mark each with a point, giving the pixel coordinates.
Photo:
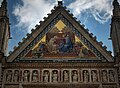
(59, 65)
(59, 85)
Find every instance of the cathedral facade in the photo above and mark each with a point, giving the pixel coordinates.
(60, 53)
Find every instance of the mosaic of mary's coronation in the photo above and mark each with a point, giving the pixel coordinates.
(60, 42)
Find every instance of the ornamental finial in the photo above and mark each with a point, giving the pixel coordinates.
(115, 3)
(60, 2)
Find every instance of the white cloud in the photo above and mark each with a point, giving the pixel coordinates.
(32, 12)
(100, 9)
(0, 2)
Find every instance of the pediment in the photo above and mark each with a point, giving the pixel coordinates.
(60, 42)
(60, 36)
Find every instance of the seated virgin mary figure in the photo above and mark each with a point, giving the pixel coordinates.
(67, 46)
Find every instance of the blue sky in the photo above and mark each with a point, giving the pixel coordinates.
(94, 14)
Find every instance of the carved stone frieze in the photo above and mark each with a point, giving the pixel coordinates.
(60, 76)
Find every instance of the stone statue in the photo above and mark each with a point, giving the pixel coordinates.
(55, 77)
(94, 76)
(111, 76)
(35, 76)
(66, 76)
(104, 76)
(85, 76)
(16, 76)
(26, 76)
(74, 76)
(46, 76)
(9, 76)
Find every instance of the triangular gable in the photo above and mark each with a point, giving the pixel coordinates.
(41, 30)
(60, 43)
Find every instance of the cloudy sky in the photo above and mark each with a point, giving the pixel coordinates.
(94, 14)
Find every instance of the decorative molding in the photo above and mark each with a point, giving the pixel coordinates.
(58, 65)
(64, 75)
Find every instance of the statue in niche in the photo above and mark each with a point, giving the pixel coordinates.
(46, 76)
(111, 76)
(104, 76)
(16, 76)
(65, 76)
(74, 76)
(55, 76)
(85, 76)
(94, 76)
(35, 76)
(9, 76)
(26, 76)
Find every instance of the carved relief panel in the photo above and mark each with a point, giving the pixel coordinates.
(94, 76)
(55, 76)
(108, 75)
(35, 76)
(86, 76)
(75, 76)
(60, 75)
(46, 76)
(66, 76)
(9, 75)
(111, 76)
(26, 76)
(16, 76)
